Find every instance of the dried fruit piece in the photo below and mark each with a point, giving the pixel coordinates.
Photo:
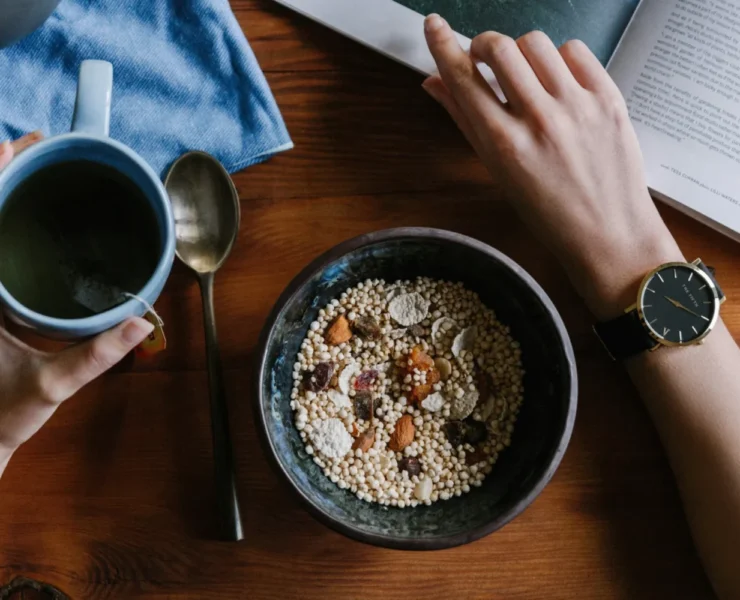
(420, 360)
(339, 331)
(367, 327)
(364, 441)
(364, 405)
(455, 432)
(320, 377)
(433, 376)
(339, 399)
(410, 464)
(416, 330)
(475, 431)
(355, 430)
(463, 407)
(345, 377)
(419, 393)
(483, 383)
(444, 367)
(408, 309)
(476, 456)
(403, 434)
(366, 379)
(465, 340)
(441, 327)
(423, 489)
(434, 402)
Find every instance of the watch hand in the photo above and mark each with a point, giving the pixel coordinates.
(677, 304)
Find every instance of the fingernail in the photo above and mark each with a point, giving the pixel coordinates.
(5, 147)
(433, 23)
(136, 331)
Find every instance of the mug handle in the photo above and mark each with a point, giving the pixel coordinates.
(92, 106)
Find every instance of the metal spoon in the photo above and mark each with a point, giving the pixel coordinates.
(206, 208)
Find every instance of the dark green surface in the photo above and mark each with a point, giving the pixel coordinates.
(599, 23)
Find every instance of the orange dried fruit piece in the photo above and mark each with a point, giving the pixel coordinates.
(420, 392)
(433, 376)
(420, 360)
(339, 331)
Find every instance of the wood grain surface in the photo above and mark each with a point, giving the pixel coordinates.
(113, 499)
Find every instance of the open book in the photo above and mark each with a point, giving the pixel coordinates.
(677, 64)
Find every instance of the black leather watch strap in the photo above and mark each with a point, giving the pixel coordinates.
(710, 271)
(625, 336)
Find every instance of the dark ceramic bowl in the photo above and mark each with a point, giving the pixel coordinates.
(542, 430)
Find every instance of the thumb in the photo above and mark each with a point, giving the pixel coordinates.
(65, 373)
(6, 154)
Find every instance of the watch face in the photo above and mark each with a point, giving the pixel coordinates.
(679, 304)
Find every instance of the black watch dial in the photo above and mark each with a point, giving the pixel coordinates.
(678, 304)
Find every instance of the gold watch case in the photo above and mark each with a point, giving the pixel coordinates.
(693, 266)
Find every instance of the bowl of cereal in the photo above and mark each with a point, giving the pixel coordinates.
(416, 388)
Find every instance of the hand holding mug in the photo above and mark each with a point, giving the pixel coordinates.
(33, 383)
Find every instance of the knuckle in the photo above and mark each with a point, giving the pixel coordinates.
(46, 387)
(494, 44)
(96, 357)
(614, 108)
(534, 39)
(575, 48)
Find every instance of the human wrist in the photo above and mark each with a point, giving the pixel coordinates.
(611, 276)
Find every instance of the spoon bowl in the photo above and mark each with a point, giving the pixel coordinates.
(205, 204)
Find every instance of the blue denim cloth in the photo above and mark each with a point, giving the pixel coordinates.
(184, 78)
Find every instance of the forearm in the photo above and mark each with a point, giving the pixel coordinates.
(693, 396)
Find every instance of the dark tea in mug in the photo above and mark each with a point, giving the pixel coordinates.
(75, 238)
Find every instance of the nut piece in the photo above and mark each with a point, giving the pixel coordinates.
(339, 332)
(423, 489)
(364, 441)
(444, 367)
(464, 341)
(410, 464)
(403, 434)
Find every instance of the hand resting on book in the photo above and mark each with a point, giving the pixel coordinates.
(564, 143)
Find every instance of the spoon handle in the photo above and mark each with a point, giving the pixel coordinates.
(223, 454)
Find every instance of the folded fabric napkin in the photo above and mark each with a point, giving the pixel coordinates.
(184, 78)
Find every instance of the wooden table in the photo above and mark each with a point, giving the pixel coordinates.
(113, 498)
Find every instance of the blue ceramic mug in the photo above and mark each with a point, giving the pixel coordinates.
(89, 141)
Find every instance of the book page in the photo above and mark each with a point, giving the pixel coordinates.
(678, 67)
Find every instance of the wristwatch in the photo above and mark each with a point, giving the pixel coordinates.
(677, 305)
